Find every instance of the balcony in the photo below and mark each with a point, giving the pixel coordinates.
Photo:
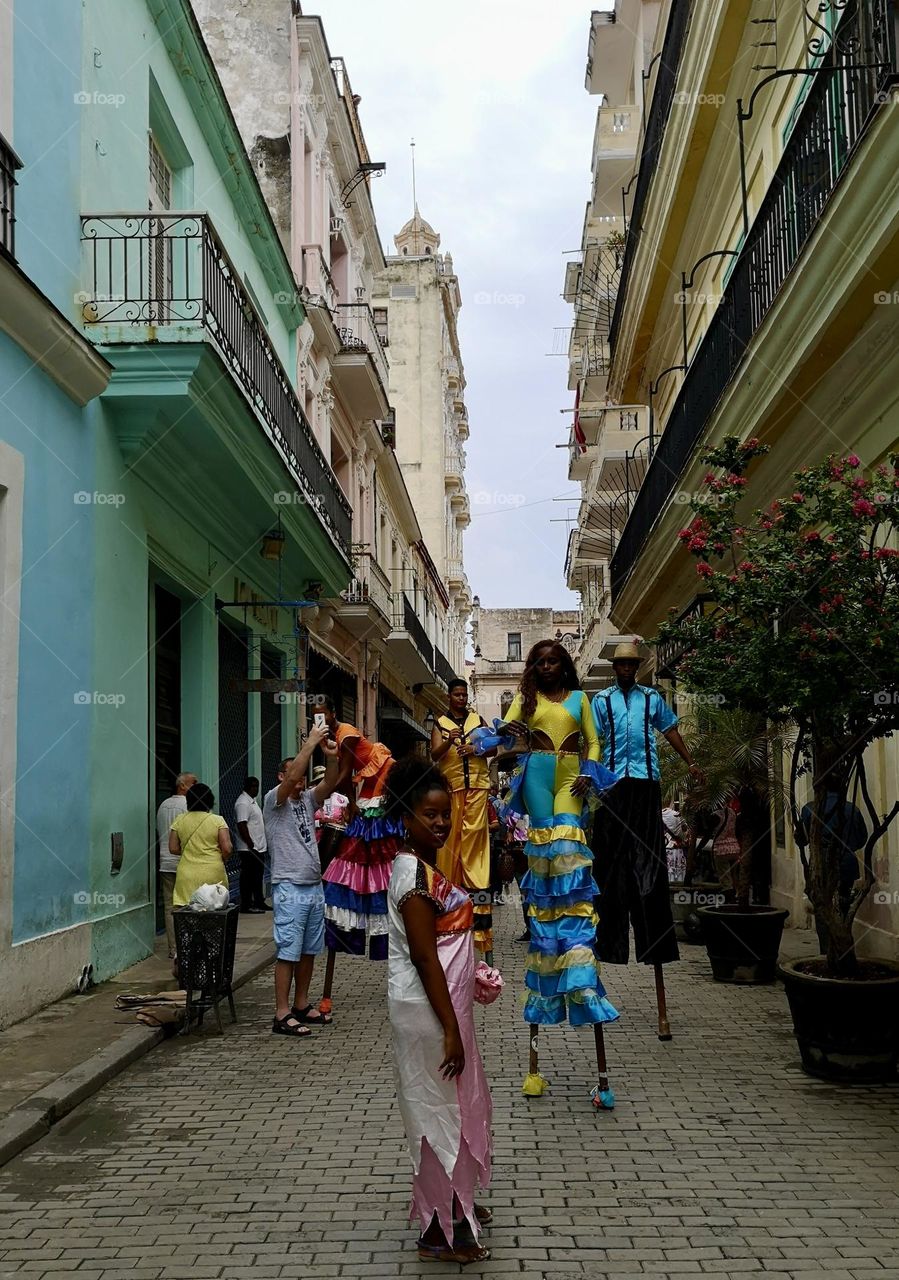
(610, 50)
(513, 667)
(572, 279)
(360, 369)
(461, 508)
(453, 373)
(410, 647)
(595, 362)
(455, 573)
(365, 608)
(594, 668)
(164, 281)
(589, 577)
(462, 424)
(580, 458)
(616, 142)
(350, 99)
(623, 454)
(321, 298)
(9, 164)
(825, 136)
(453, 469)
(442, 667)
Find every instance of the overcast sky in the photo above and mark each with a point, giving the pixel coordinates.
(493, 93)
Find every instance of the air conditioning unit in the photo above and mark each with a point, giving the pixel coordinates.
(337, 225)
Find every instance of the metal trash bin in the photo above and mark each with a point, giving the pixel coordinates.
(205, 942)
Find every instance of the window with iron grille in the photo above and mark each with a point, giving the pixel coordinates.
(160, 247)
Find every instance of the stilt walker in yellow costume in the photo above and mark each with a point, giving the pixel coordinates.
(465, 858)
(558, 766)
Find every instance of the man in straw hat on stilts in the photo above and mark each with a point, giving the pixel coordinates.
(629, 861)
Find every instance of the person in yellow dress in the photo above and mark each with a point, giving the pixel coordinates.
(552, 719)
(465, 858)
(203, 840)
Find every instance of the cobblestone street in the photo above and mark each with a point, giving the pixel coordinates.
(255, 1156)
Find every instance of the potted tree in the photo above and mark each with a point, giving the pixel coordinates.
(735, 751)
(804, 631)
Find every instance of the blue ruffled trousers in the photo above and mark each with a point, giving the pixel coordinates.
(562, 974)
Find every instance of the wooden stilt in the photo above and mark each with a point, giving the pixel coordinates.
(664, 1027)
(534, 1084)
(602, 1095)
(325, 1005)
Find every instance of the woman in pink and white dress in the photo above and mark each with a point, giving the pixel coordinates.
(441, 1087)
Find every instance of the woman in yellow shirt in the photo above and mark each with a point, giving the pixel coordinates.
(553, 718)
(203, 841)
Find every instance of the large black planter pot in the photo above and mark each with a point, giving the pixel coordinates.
(685, 903)
(846, 1030)
(742, 942)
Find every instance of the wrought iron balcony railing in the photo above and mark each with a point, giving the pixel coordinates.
(656, 124)
(848, 91)
(442, 667)
(154, 271)
(406, 619)
(369, 584)
(9, 163)
(594, 358)
(358, 332)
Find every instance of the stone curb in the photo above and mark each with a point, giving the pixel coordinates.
(36, 1115)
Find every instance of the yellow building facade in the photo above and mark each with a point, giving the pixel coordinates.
(758, 295)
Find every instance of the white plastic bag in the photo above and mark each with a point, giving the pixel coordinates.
(209, 897)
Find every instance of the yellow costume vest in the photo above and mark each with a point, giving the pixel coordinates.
(472, 774)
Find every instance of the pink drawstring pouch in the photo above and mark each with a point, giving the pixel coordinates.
(488, 983)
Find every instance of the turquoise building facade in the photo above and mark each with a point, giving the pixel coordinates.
(170, 492)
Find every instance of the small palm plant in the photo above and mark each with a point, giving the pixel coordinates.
(736, 751)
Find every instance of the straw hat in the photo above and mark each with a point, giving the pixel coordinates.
(626, 652)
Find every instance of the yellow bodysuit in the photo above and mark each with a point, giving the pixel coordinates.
(558, 730)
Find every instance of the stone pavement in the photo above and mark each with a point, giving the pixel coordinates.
(256, 1156)
(53, 1060)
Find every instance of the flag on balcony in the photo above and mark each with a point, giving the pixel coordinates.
(578, 429)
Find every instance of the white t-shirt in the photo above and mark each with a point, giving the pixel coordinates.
(247, 810)
(673, 824)
(165, 815)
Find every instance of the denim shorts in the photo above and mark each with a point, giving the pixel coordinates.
(298, 920)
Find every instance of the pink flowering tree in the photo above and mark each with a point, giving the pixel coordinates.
(804, 629)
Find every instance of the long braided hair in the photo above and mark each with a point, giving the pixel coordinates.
(528, 686)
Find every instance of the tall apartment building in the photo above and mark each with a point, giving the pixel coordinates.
(750, 295)
(419, 294)
(608, 443)
(387, 644)
(502, 639)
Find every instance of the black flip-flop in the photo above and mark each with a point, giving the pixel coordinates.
(281, 1027)
(302, 1015)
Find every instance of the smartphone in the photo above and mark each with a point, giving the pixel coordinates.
(318, 720)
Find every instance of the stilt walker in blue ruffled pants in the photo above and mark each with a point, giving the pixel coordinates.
(551, 717)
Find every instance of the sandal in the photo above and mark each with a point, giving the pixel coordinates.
(282, 1027)
(483, 1214)
(449, 1253)
(305, 1016)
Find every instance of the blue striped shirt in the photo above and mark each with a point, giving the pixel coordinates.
(627, 724)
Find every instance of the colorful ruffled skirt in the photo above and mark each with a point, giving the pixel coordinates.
(562, 972)
(356, 881)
